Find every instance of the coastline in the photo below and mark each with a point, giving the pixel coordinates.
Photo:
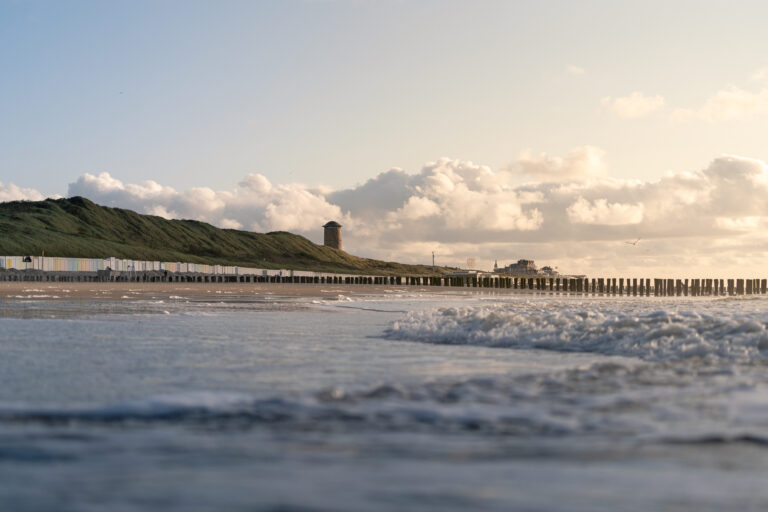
(118, 290)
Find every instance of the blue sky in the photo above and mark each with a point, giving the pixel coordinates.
(322, 96)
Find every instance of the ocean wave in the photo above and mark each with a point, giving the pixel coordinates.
(676, 402)
(651, 335)
(374, 413)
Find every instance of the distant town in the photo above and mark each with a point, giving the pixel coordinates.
(520, 268)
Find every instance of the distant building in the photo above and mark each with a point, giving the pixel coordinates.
(524, 267)
(332, 235)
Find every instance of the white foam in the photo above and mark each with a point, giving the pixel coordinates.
(35, 296)
(650, 334)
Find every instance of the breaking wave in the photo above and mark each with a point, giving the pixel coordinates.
(655, 335)
(690, 401)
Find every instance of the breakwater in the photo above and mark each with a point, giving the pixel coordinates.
(581, 285)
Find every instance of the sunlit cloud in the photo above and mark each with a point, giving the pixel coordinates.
(573, 215)
(581, 163)
(634, 106)
(731, 104)
(256, 204)
(600, 211)
(575, 70)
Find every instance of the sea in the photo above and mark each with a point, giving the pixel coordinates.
(398, 399)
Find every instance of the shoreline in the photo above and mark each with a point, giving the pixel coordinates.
(21, 290)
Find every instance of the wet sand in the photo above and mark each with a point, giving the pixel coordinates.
(140, 291)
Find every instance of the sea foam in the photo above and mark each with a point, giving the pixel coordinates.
(649, 334)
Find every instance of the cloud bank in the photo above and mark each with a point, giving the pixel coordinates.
(711, 221)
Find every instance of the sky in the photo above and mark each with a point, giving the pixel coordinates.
(495, 130)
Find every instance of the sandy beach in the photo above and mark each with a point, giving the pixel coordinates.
(139, 291)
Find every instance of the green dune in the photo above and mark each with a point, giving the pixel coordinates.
(76, 227)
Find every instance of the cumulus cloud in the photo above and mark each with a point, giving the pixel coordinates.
(600, 211)
(709, 219)
(730, 104)
(738, 223)
(581, 163)
(573, 216)
(12, 192)
(257, 204)
(634, 106)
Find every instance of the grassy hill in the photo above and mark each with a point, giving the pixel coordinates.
(77, 227)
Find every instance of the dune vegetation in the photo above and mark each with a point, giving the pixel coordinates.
(77, 227)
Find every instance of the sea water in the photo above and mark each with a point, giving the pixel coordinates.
(405, 400)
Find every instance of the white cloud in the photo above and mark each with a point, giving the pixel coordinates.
(574, 217)
(738, 223)
(730, 104)
(600, 211)
(634, 106)
(230, 224)
(416, 208)
(12, 192)
(575, 70)
(256, 202)
(581, 163)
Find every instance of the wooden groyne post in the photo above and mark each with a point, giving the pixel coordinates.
(622, 286)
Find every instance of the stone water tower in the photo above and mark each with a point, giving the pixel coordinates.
(332, 235)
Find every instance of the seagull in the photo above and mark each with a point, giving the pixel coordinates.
(633, 243)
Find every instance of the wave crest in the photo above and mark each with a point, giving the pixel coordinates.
(649, 335)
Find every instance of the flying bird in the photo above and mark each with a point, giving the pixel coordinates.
(633, 243)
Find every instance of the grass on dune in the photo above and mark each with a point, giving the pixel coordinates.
(78, 228)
